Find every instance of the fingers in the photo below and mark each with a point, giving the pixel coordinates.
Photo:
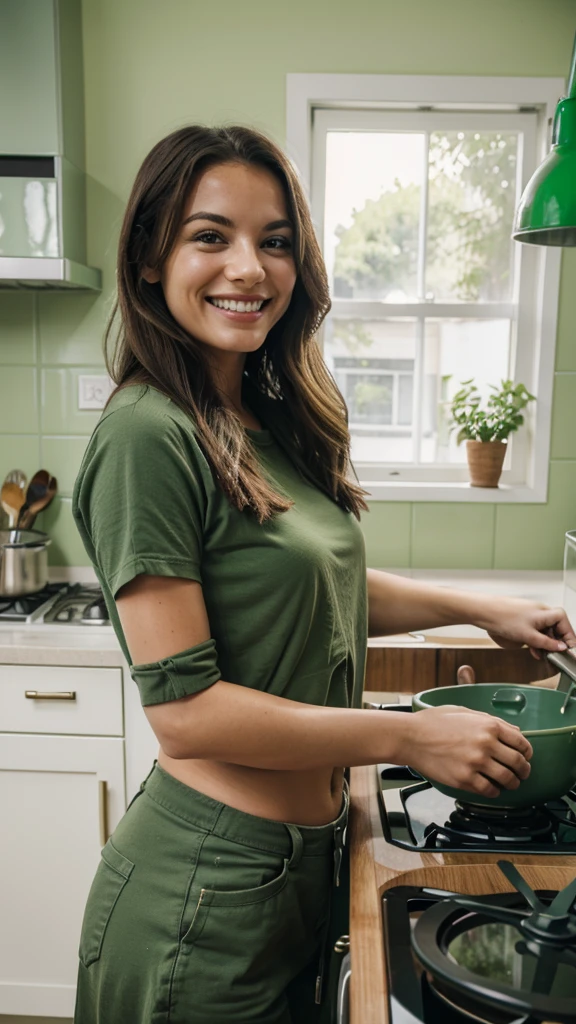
(511, 736)
(554, 631)
(498, 760)
(561, 627)
(512, 622)
(502, 776)
(512, 760)
(470, 750)
(543, 642)
(484, 787)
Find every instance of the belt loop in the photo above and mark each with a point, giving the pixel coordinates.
(297, 845)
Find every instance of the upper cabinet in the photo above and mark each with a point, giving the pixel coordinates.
(42, 147)
(41, 79)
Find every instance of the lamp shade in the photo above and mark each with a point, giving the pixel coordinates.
(547, 211)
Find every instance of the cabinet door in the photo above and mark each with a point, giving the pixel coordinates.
(493, 665)
(400, 669)
(52, 800)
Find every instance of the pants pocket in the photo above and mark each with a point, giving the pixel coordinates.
(233, 898)
(111, 876)
(244, 946)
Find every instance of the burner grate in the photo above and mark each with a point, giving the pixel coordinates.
(498, 824)
(418, 992)
(19, 609)
(430, 821)
(83, 605)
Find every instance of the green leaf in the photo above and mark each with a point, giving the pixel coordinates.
(498, 420)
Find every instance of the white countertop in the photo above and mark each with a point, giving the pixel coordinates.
(40, 644)
(57, 644)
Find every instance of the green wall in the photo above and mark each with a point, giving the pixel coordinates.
(150, 67)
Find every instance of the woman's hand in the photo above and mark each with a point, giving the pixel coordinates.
(513, 622)
(468, 750)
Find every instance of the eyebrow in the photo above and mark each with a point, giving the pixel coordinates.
(217, 218)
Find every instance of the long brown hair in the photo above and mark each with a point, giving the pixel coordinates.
(286, 379)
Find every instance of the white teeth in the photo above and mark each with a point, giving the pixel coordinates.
(239, 307)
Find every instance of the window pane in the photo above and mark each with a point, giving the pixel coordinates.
(454, 351)
(372, 362)
(369, 397)
(405, 396)
(372, 213)
(472, 198)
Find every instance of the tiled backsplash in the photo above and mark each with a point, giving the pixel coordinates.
(40, 424)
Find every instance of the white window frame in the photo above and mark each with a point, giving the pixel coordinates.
(381, 99)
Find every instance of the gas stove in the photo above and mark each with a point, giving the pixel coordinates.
(75, 604)
(501, 958)
(417, 817)
(426, 852)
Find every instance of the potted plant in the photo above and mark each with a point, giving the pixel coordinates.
(486, 430)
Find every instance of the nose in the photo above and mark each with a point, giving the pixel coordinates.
(244, 264)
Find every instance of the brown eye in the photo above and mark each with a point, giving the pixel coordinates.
(207, 236)
(285, 243)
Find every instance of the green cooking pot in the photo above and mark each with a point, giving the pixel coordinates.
(546, 717)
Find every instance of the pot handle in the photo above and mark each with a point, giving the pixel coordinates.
(567, 665)
(511, 700)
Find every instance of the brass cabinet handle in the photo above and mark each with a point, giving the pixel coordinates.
(63, 695)
(103, 810)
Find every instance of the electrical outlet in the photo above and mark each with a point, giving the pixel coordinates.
(94, 390)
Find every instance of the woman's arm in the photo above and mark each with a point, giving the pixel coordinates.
(398, 605)
(225, 722)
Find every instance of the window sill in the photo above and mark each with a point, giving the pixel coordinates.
(380, 490)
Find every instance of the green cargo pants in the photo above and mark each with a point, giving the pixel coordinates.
(202, 914)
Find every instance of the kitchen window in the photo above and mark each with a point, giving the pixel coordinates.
(413, 204)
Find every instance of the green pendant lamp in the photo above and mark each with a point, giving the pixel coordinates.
(547, 211)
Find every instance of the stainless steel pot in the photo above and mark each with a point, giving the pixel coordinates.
(23, 562)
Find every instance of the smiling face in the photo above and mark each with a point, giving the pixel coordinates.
(234, 248)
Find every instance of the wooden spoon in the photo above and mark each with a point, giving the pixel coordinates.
(41, 490)
(16, 476)
(12, 499)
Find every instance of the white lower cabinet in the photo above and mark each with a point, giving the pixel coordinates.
(58, 795)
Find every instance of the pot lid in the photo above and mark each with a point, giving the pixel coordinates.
(23, 539)
(506, 956)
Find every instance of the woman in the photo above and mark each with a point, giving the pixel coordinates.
(216, 504)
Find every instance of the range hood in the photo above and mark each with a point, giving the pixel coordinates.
(42, 173)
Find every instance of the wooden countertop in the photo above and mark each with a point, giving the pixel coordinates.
(376, 865)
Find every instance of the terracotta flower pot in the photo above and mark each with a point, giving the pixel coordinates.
(485, 461)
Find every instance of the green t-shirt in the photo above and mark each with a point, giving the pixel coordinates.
(286, 600)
